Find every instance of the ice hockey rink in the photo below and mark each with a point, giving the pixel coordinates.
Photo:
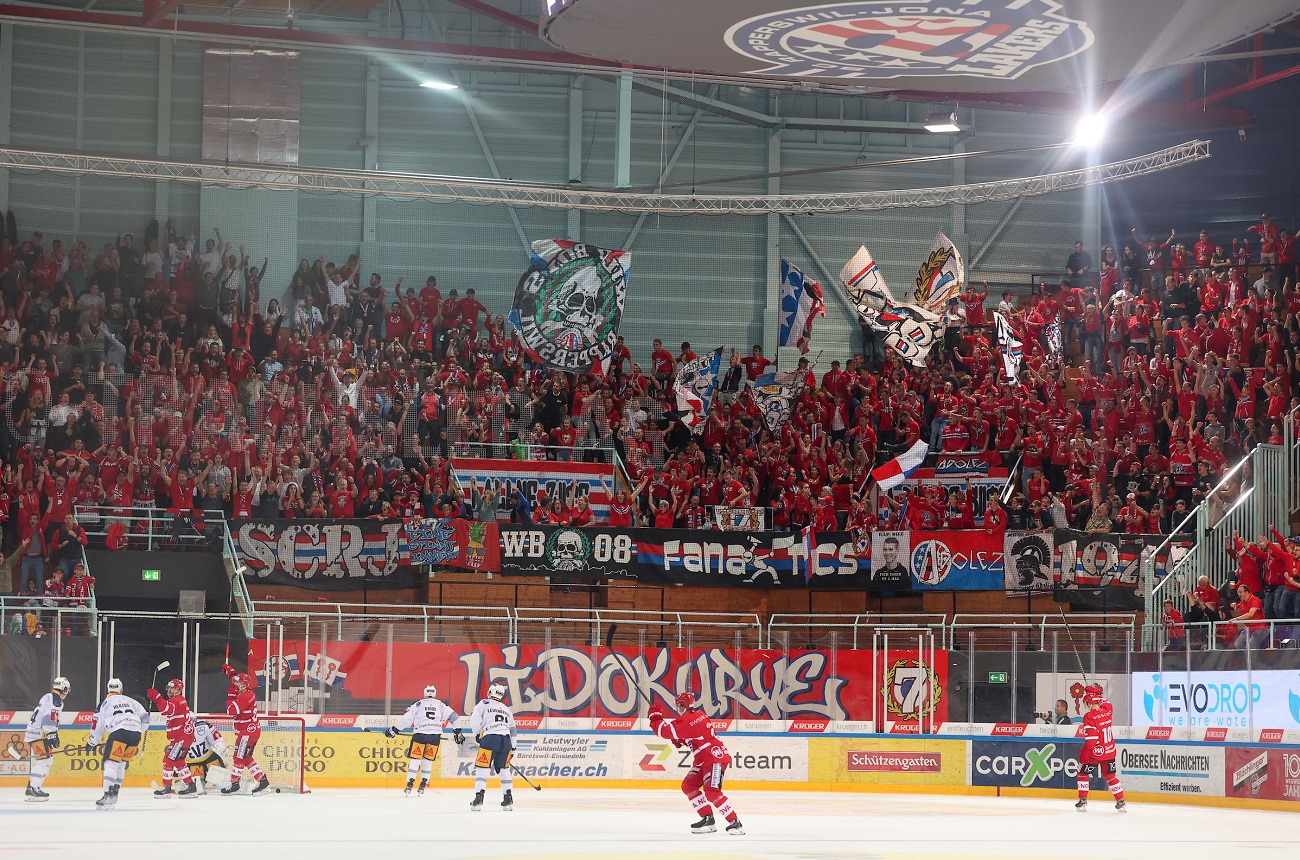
(630, 825)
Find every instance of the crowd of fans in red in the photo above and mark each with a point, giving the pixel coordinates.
(158, 375)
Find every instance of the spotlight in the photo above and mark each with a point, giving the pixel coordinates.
(1091, 129)
(1241, 135)
(942, 122)
(435, 84)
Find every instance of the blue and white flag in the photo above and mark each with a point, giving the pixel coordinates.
(1010, 346)
(1053, 333)
(694, 386)
(775, 394)
(801, 303)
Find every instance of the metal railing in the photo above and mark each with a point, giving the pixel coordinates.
(1081, 631)
(675, 629)
(39, 616)
(1262, 498)
(858, 630)
(1224, 636)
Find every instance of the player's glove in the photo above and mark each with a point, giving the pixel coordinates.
(390, 732)
(458, 736)
(656, 710)
(90, 749)
(52, 740)
(229, 670)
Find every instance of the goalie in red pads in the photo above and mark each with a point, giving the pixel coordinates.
(180, 734)
(241, 703)
(1098, 755)
(703, 782)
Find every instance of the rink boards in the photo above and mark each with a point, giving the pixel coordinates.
(1215, 766)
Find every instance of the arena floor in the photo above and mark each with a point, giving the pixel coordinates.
(628, 825)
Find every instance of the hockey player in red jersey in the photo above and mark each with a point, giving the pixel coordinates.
(241, 703)
(1098, 755)
(180, 734)
(703, 782)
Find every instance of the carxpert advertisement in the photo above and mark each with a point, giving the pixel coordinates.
(1044, 763)
(1231, 700)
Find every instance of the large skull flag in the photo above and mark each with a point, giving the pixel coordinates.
(569, 304)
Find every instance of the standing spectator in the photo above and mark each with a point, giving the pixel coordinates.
(1078, 268)
(1174, 632)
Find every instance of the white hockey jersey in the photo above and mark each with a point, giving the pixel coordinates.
(45, 719)
(206, 740)
(118, 712)
(427, 717)
(490, 717)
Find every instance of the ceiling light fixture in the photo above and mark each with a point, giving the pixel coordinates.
(942, 122)
(435, 84)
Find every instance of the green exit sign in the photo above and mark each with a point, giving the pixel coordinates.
(997, 677)
(151, 575)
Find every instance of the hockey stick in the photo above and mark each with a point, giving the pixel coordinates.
(624, 664)
(1074, 647)
(379, 731)
(519, 773)
(12, 751)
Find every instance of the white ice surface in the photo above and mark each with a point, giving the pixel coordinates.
(368, 824)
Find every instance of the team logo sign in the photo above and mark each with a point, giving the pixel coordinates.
(569, 304)
(568, 550)
(998, 39)
(931, 562)
(910, 690)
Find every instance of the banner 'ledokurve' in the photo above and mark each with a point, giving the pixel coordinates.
(732, 684)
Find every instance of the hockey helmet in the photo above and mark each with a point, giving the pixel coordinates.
(430, 691)
(114, 685)
(685, 700)
(1092, 694)
(60, 685)
(175, 687)
(497, 691)
(247, 680)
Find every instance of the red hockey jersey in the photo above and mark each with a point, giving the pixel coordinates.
(691, 729)
(1098, 735)
(180, 722)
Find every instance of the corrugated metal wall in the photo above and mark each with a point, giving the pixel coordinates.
(702, 279)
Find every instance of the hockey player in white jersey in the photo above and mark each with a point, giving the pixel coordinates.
(42, 737)
(119, 722)
(426, 718)
(207, 757)
(494, 726)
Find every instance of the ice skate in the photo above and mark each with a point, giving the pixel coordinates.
(263, 787)
(507, 801)
(1121, 806)
(109, 800)
(1082, 806)
(706, 824)
(735, 828)
(188, 791)
(233, 788)
(476, 805)
(410, 783)
(165, 791)
(34, 795)
(420, 791)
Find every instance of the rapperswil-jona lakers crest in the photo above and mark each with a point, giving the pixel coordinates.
(569, 304)
(997, 39)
